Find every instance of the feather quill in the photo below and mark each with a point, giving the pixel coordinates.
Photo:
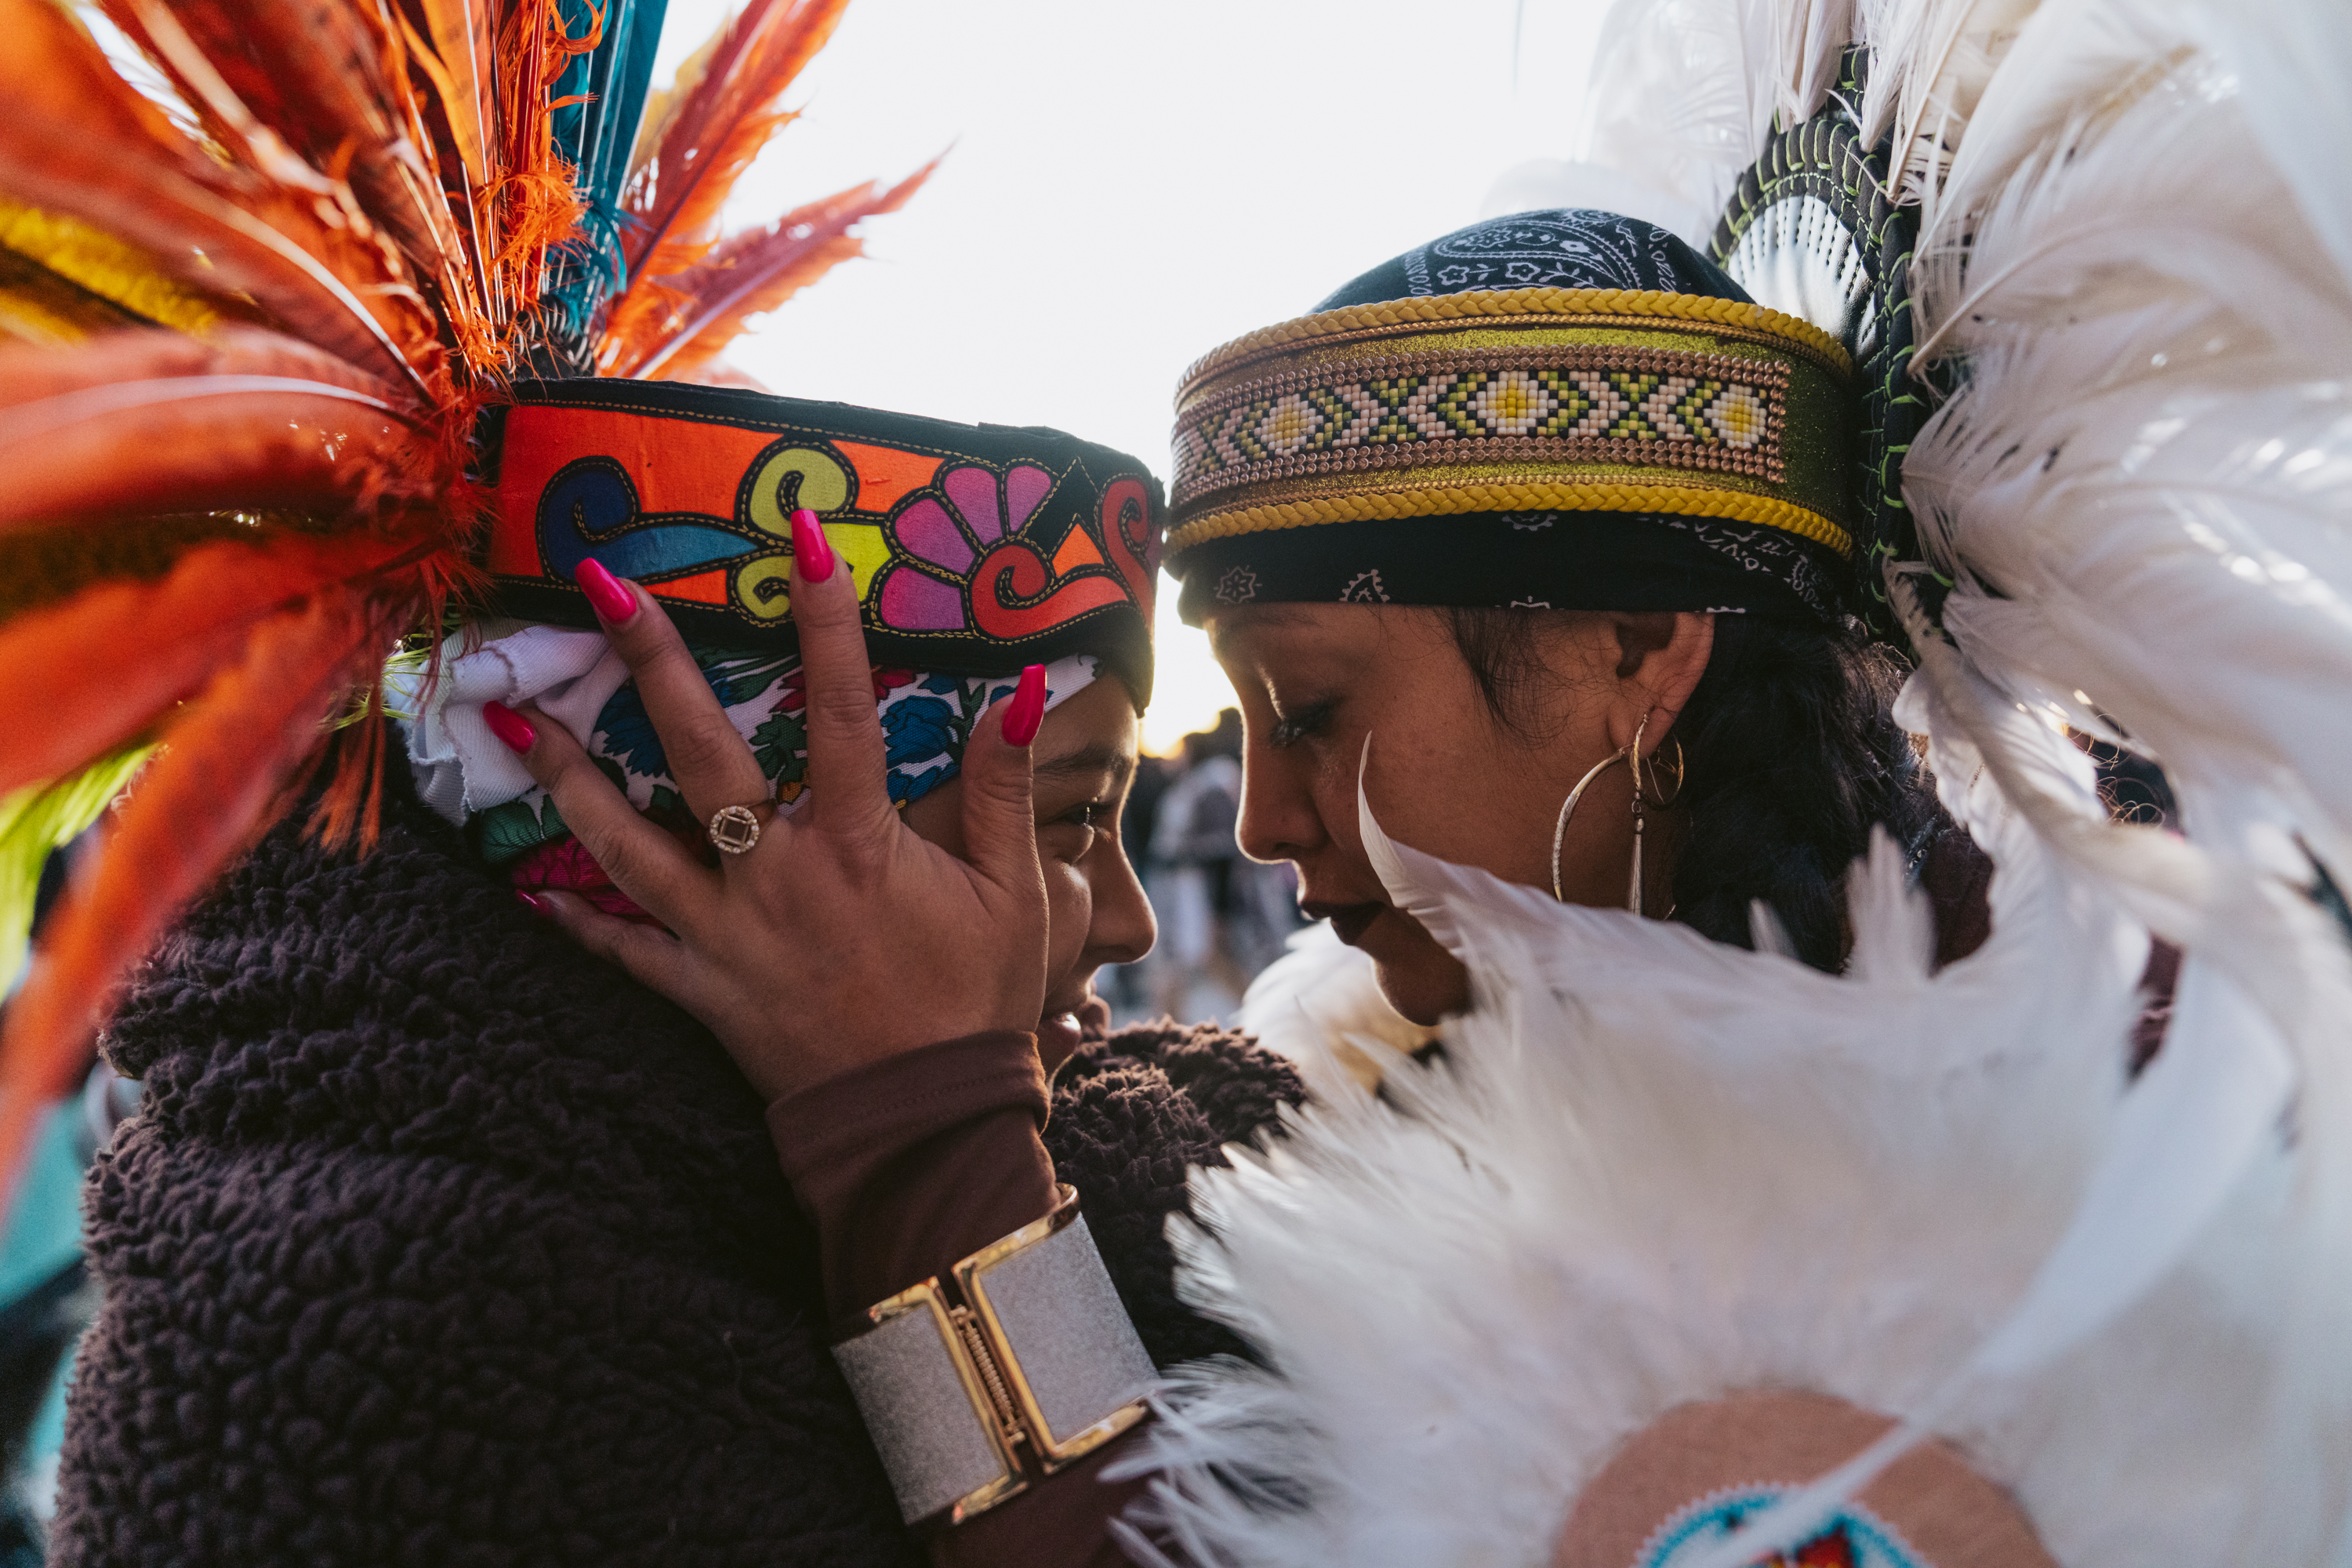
(697, 312)
(328, 77)
(29, 376)
(463, 49)
(207, 442)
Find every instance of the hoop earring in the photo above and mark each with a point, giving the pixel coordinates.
(1682, 767)
(1631, 756)
(1568, 809)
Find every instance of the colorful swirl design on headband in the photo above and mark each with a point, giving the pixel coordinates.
(1006, 540)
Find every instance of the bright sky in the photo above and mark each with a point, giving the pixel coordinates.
(1132, 181)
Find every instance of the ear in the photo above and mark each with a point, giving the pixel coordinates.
(1661, 656)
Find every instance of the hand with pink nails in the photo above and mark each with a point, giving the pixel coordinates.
(840, 936)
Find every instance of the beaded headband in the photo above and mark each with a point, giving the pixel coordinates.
(975, 549)
(1561, 400)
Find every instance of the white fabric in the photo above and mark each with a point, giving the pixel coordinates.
(460, 767)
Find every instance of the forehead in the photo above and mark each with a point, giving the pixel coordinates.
(1250, 633)
(1094, 731)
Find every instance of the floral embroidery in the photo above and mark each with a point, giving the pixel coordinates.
(967, 561)
(927, 720)
(950, 531)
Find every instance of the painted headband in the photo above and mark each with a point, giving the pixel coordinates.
(975, 549)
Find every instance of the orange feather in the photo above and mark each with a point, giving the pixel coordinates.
(77, 139)
(80, 677)
(714, 133)
(707, 305)
(225, 770)
(30, 373)
(464, 42)
(331, 78)
(534, 205)
(206, 442)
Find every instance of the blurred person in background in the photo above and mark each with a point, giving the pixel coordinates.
(1193, 848)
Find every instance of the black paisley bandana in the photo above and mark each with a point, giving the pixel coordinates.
(1571, 248)
(1521, 560)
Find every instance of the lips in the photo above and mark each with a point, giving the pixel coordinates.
(1064, 1025)
(1349, 920)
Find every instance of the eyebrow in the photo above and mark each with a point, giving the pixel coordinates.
(1086, 760)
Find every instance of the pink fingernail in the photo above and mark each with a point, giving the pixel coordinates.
(610, 596)
(538, 905)
(811, 548)
(508, 726)
(1027, 709)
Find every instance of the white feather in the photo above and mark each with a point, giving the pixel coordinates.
(1930, 63)
(2289, 58)
(1656, 1170)
(1683, 93)
(2143, 489)
(1320, 1005)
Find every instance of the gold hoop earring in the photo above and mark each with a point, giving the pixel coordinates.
(1568, 809)
(1633, 890)
(1632, 757)
(1682, 767)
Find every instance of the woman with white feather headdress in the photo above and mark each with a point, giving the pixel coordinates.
(1900, 1238)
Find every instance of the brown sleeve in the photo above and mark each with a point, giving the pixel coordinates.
(909, 1164)
(1059, 1523)
(906, 1166)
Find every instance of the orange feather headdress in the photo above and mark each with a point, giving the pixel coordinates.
(262, 264)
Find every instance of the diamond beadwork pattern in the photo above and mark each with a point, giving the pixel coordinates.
(1577, 404)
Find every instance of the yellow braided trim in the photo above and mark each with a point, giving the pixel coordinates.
(1652, 303)
(1682, 500)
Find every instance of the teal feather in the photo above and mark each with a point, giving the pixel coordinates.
(597, 136)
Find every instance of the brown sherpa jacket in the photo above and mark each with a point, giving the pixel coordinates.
(438, 1242)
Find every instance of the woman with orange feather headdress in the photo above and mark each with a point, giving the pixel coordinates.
(255, 324)
(359, 326)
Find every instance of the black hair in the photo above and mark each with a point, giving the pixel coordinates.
(1791, 754)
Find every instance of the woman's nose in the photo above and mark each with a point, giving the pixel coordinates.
(1124, 927)
(1279, 819)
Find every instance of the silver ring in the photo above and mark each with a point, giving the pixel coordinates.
(734, 830)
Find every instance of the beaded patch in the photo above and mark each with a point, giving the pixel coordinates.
(1533, 399)
(1571, 404)
(1855, 1537)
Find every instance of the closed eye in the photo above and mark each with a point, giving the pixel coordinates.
(1304, 724)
